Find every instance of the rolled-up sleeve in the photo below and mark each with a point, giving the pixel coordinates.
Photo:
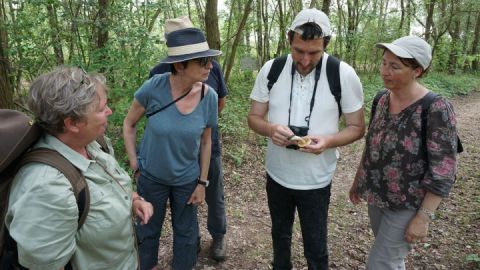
(442, 148)
(42, 217)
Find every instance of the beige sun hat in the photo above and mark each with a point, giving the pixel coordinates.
(185, 42)
(411, 47)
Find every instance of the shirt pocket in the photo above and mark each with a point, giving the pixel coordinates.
(101, 204)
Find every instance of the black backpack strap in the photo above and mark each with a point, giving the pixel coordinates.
(375, 101)
(74, 176)
(333, 76)
(426, 102)
(169, 104)
(275, 70)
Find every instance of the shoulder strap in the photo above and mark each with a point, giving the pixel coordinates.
(333, 77)
(74, 176)
(374, 105)
(426, 102)
(103, 144)
(275, 70)
(169, 104)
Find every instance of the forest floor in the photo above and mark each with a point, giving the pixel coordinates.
(454, 236)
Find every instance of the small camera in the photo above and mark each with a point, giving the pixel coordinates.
(298, 131)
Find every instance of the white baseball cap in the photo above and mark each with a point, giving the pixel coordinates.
(312, 15)
(411, 47)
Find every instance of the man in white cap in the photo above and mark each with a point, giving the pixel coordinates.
(300, 168)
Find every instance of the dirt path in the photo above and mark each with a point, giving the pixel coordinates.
(454, 235)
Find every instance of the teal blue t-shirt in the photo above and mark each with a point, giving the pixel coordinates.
(169, 150)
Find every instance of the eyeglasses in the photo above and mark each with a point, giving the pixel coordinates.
(204, 61)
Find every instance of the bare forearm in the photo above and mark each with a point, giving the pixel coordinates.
(347, 135)
(260, 125)
(205, 153)
(129, 137)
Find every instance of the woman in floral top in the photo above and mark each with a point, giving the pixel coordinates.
(402, 183)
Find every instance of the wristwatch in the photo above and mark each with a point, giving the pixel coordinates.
(203, 182)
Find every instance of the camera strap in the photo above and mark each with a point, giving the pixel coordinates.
(318, 70)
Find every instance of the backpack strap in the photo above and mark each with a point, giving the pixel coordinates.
(333, 77)
(275, 70)
(426, 102)
(74, 176)
(375, 101)
(103, 144)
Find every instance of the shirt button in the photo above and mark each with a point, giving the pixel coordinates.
(126, 197)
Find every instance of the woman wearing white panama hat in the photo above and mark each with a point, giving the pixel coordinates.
(180, 112)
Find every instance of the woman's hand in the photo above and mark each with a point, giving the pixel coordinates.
(353, 194)
(417, 229)
(142, 209)
(198, 195)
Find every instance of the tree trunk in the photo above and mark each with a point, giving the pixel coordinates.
(454, 45)
(55, 34)
(281, 25)
(259, 32)
(430, 7)
(474, 50)
(6, 89)
(231, 59)
(102, 32)
(211, 25)
(326, 6)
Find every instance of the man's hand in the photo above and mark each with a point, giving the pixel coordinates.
(280, 134)
(319, 144)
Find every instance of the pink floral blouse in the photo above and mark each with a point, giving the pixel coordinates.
(394, 172)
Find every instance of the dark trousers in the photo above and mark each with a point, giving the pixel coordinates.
(184, 223)
(214, 196)
(312, 207)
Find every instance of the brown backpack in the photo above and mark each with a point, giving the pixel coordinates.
(18, 133)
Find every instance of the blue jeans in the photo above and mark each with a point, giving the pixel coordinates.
(184, 223)
(214, 196)
(312, 207)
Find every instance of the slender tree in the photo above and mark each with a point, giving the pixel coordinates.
(211, 24)
(6, 89)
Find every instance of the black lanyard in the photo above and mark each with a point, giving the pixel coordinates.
(175, 101)
(318, 69)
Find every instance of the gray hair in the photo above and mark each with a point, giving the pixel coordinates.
(61, 93)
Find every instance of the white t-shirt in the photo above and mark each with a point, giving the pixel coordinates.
(295, 169)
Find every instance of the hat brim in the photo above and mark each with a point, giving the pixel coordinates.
(186, 57)
(398, 51)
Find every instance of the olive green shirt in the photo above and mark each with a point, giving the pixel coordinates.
(42, 214)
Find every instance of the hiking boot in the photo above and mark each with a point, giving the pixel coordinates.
(219, 249)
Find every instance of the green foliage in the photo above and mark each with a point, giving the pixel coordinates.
(234, 115)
